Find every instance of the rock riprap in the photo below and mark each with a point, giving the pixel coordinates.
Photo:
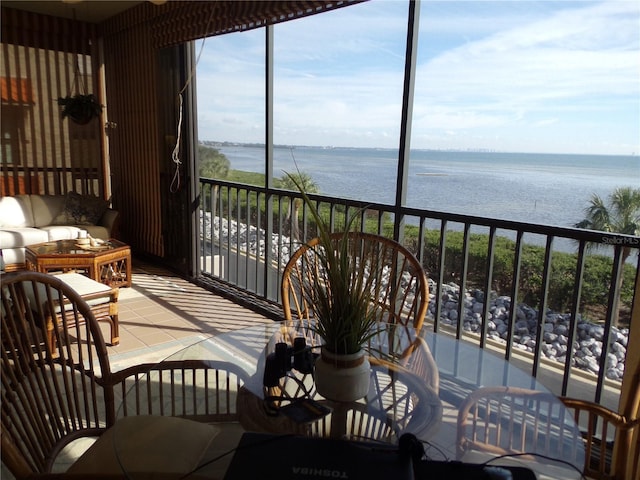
(587, 345)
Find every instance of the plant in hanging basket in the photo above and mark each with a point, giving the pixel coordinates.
(81, 109)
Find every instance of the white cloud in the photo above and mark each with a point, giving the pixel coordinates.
(563, 63)
(490, 70)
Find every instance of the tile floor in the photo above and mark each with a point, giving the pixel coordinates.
(161, 309)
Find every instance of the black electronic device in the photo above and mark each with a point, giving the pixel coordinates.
(271, 376)
(292, 457)
(303, 359)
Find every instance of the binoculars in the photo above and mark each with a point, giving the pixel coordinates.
(285, 358)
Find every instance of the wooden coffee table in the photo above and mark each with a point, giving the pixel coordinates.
(109, 263)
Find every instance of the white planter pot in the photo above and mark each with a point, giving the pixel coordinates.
(342, 378)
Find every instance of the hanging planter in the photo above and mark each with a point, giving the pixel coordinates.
(80, 105)
(81, 109)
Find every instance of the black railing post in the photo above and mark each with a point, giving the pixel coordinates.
(515, 285)
(487, 285)
(573, 325)
(542, 312)
(441, 268)
(612, 311)
(463, 280)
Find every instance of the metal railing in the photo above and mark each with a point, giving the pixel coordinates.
(513, 287)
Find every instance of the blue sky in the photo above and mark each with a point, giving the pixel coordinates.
(510, 75)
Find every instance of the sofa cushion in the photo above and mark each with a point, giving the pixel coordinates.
(68, 232)
(97, 231)
(13, 240)
(61, 232)
(19, 237)
(13, 256)
(83, 285)
(81, 210)
(45, 208)
(15, 212)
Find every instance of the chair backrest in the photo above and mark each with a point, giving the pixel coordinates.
(197, 389)
(418, 359)
(601, 429)
(401, 287)
(49, 398)
(508, 420)
(612, 439)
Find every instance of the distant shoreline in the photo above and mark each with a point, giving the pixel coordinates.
(227, 144)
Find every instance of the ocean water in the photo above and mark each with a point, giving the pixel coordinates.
(548, 189)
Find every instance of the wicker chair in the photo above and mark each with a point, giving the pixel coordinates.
(402, 296)
(496, 421)
(402, 291)
(612, 439)
(50, 401)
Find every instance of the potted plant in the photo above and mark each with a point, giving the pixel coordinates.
(80, 108)
(345, 317)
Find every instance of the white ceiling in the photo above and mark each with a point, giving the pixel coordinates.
(94, 11)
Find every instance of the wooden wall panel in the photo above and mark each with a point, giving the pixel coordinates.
(131, 66)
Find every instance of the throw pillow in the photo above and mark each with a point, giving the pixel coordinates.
(81, 210)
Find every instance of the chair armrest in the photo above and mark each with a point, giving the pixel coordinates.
(607, 436)
(619, 421)
(111, 221)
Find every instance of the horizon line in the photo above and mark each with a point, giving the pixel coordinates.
(457, 150)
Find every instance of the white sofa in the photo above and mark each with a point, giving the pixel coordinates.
(29, 219)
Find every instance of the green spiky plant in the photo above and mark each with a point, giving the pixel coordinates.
(345, 313)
